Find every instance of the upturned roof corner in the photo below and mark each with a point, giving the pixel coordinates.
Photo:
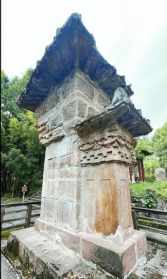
(72, 48)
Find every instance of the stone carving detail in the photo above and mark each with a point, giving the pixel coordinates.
(110, 147)
(120, 95)
(49, 131)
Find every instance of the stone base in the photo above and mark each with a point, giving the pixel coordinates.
(49, 247)
(120, 259)
(69, 238)
(41, 258)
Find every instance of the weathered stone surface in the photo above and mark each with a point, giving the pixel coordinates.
(91, 112)
(82, 108)
(42, 256)
(106, 146)
(124, 114)
(94, 252)
(69, 111)
(43, 251)
(69, 237)
(120, 259)
(84, 86)
(129, 259)
(67, 106)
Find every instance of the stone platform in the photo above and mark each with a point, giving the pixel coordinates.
(42, 256)
(45, 258)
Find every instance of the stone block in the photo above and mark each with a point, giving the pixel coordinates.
(84, 86)
(67, 172)
(40, 256)
(101, 98)
(91, 112)
(70, 239)
(139, 238)
(69, 111)
(103, 256)
(129, 259)
(82, 108)
(119, 259)
(56, 150)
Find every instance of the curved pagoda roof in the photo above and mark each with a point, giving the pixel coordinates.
(72, 48)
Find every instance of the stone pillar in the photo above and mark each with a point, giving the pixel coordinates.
(74, 101)
(85, 195)
(105, 159)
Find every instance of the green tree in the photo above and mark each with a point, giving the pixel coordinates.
(150, 164)
(21, 154)
(160, 145)
(143, 148)
(153, 151)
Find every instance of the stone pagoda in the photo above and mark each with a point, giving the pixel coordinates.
(88, 124)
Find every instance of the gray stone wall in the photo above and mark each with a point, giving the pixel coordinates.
(60, 184)
(76, 100)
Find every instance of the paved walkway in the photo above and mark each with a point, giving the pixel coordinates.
(7, 271)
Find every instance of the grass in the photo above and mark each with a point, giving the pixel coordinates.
(7, 198)
(5, 233)
(160, 187)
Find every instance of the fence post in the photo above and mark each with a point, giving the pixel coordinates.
(134, 219)
(28, 216)
(2, 213)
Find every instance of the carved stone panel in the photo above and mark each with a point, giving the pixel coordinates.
(105, 148)
(48, 132)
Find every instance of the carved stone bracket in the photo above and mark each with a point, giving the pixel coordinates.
(48, 134)
(110, 147)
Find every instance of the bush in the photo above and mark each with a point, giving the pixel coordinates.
(150, 199)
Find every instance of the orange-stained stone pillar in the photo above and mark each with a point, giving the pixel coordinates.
(105, 196)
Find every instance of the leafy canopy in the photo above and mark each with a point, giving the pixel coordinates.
(22, 155)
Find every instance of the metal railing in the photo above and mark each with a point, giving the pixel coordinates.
(22, 214)
(150, 219)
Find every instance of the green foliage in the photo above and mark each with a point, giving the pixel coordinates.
(143, 148)
(150, 164)
(153, 151)
(150, 199)
(21, 154)
(5, 234)
(159, 187)
(160, 145)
